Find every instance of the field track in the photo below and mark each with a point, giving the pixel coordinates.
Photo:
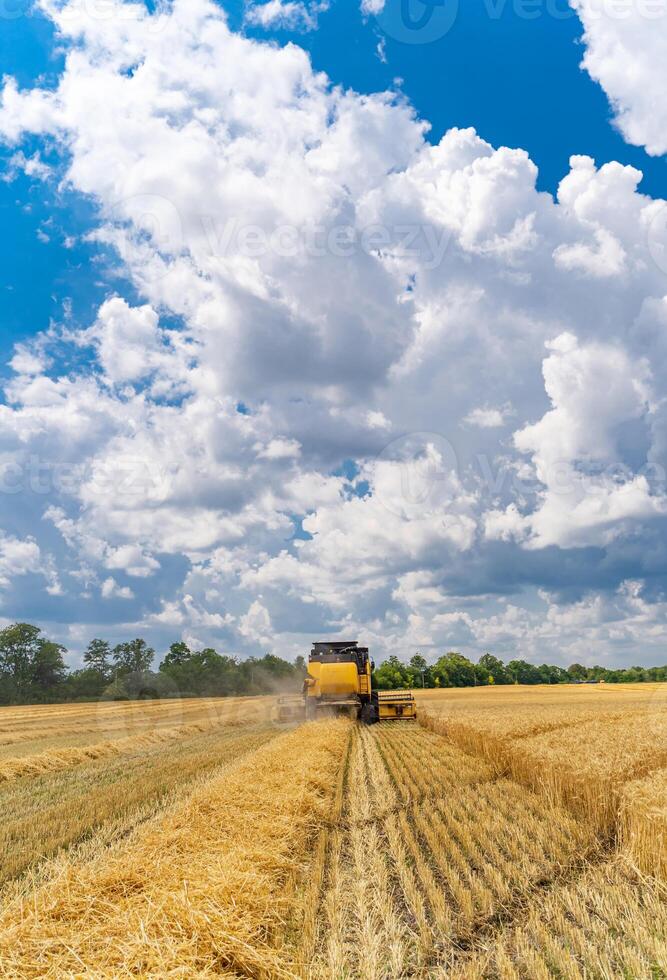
(231, 847)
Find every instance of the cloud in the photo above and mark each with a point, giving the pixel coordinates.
(132, 560)
(32, 166)
(18, 557)
(255, 625)
(27, 361)
(626, 52)
(286, 14)
(487, 418)
(279, 449)
(357, 381)
(577, 452)
(128, 341)
(111, 590)
(33, 110)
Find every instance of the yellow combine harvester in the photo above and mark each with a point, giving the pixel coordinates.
(339, 681)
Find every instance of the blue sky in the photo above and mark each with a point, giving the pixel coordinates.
(458, 441)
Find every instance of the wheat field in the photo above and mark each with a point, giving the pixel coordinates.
(510, 834)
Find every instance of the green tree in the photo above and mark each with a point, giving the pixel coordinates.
(84, 685)
(459, 670)
(219, 674)
(577, 672)
(440, 676)
(391, 675)
(522, 672)
(275, 667)
(31, 667)
(97, 657)
(420, 672)
(633, 675)
(494, 668)
(18, 646)
(48, 667)
(179, 653)
(552, 675)
(267, 674)
(135, 655)
(205, 673)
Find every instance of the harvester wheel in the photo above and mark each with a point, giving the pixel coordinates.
(369, 714)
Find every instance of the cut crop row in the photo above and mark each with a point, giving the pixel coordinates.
(42, 815)
(199, 891)
(607, 923)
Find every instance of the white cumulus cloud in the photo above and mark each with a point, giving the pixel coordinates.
(626, 52)
(358, 381)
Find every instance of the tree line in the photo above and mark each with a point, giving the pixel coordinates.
(33, 670)
(455, 670)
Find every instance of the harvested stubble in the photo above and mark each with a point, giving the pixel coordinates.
(88, 716)
(197, 892)
(30, 714)
(295, 863)
(424, 765)
(608, 923)
(50, 812)
(430, 849)
(55, 760)
(643, 823)
(360, 929)
(492, 844)
(70, 724)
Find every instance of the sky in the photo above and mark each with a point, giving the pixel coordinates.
(325, 318)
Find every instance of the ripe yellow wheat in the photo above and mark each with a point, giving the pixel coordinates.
(643, 823)
(576, 752)
(586, 766)
(197, 892)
